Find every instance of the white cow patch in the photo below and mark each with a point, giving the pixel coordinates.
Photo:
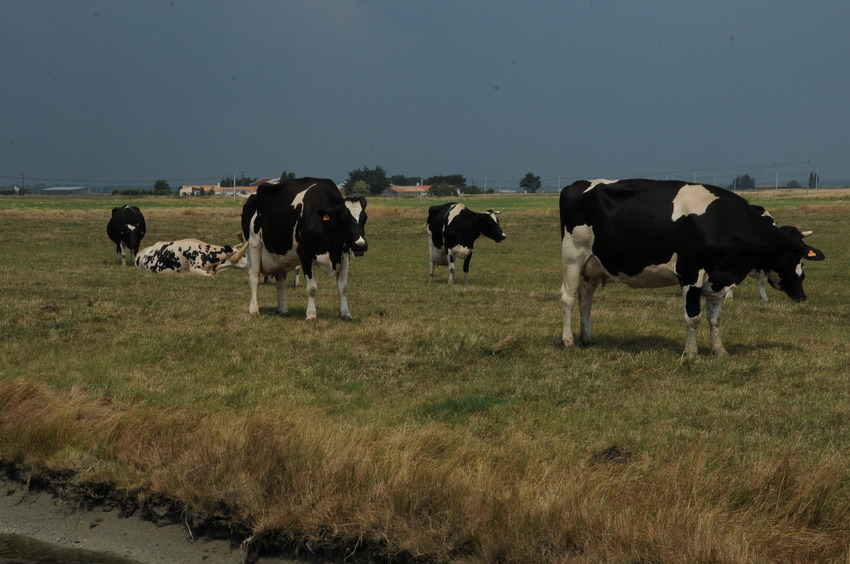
(597, 182)
(461, 252)
(299, 197)
(692, 199)
(454, 212)
(355, 209)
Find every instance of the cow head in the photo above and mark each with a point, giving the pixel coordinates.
(131, 236)
(348, 221)
(233, 258)
(488, 223)
(787, 273)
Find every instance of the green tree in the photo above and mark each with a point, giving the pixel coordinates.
(161, 188)
(814, 179)
(401, 180)
(743, 183)
(469, 189)
(442, 190)
(376, 178)
(453, 179)
(530, 183)
(360, 188)
(287, 176)
(227, 181)
(793, 184)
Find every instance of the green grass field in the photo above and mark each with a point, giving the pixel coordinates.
(445, 421)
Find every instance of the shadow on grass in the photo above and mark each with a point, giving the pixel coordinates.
(649, 343)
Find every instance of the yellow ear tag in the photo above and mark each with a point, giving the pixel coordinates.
(812, 253)
(326, 218)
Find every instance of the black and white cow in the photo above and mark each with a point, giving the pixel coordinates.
(126, 228)
(452, 231)
(649, 234)
(189, 255)
(303, 222)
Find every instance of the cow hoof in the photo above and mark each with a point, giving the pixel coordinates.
(720, 353)
(310, 318)
(346, 317)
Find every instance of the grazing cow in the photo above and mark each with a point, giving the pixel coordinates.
(126, 228)
(189, 255)
(302, 222)
(649, 233)
(759, 275)
(452, 231)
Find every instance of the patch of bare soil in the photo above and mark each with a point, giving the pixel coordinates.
(151, 529)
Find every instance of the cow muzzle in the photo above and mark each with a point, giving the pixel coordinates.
(359, 247)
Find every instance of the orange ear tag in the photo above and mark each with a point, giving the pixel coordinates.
(812, 253)
(326, 218)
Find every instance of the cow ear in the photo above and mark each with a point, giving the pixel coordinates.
(813, 254)
(495, 212)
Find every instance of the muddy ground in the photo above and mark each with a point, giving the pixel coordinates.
(150, 529)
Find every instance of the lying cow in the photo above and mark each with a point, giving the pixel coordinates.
(189, 255)
(126, 228)
(649, 233)
(302, 222)
(452, 231)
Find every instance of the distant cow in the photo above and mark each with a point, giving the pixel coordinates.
(648, 234)
(302, 222)
(126, 228)
(452, 231)
(189, 255)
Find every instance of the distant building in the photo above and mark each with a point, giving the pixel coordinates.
(196, 190)
(65, 191)
(408, 191)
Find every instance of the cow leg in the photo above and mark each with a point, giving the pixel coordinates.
(254, 255)
(586, 290)
(574, 255)
(569, 290)
(451, 258)
(713, 309)
(280, 284)
(692, 295)
(119, 250)
(432, 259)
(466, 268)
(760, 285)
(342, 287)
(311, 285)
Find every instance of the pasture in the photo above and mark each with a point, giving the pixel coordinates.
(444, 422)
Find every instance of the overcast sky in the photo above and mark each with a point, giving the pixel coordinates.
(128, 92)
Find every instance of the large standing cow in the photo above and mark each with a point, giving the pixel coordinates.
(302, 222)
(126, 228)
(452, 231)
(649, 233)
(189, 255)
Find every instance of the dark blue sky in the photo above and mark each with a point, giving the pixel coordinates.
(190, 91)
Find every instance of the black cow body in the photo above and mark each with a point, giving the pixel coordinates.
(452, 231)
(648, 233)
(126, 228)
(302, 222)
